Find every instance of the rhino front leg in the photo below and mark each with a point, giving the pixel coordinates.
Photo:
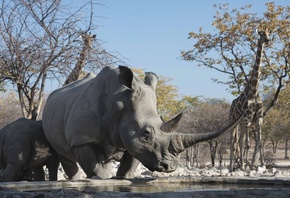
(11, 173)
(128, 165)
(89, 159)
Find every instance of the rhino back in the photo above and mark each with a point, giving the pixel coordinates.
(73, 115)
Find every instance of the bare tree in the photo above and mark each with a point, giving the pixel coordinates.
(10, 108)
(40, 41)
(278, 123)
(206, 116)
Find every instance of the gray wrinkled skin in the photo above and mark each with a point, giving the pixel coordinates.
(92, 119)
(22, 145)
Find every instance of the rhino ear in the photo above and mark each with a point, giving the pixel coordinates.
(172, 124)
(151, 79)
(125, 76)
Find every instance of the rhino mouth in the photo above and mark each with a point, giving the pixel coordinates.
(163, 166)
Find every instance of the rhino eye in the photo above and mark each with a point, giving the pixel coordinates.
(147, 134)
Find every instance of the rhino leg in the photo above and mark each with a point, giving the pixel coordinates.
(52, 166)
(128, 165)
(15, 157)
(70, 167)
(11, 173)
(38, 173)
(89, 159)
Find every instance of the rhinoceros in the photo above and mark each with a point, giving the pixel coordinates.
(90, 120)
(23, 145)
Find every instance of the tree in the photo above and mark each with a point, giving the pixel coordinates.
(207, 116)
(39, 40)
(10, 108)
(231, 49)
(269, 129)
(282, 121)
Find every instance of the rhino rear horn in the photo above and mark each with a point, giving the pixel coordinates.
(171, 124)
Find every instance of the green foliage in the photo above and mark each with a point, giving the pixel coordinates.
(167, 102)
(231, 47)
(189, 102)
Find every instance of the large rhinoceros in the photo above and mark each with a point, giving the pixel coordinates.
(23, 145)
(90, 120)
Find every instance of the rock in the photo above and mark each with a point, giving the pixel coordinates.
(214, 169)
(238, 173)
(224, 171)
(252, 173)
(273, 170)
(278, 174)
(261, 170)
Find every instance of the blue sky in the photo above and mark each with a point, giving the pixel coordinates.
(150, 35)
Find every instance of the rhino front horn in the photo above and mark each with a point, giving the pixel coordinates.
(181, 141)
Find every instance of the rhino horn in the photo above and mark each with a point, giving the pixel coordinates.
(181, 142)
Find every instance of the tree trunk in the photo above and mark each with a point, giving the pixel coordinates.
(274, 146)
(232, 151)
(188, 158)
(246, 152)
(286, 149)
(220, 156)
(197, 154)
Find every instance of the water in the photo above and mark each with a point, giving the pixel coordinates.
(157, 190)
(174, 184)
(180, 187)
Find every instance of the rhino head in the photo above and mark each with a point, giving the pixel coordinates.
(144, 134)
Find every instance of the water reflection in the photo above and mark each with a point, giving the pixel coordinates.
(172, 187)
(181, 187)
(141, 186)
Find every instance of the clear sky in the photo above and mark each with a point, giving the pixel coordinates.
(150, 35)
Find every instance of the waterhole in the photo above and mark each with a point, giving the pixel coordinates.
(168, 184)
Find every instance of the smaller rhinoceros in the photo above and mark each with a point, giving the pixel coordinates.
(23, 144)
